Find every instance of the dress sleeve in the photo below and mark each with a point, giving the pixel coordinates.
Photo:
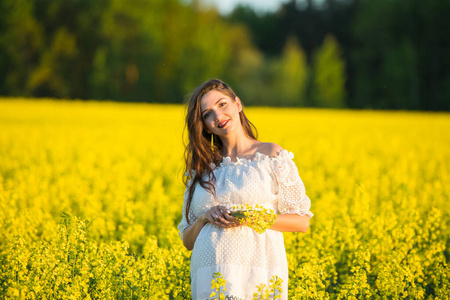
(184, 224)
(292, 198)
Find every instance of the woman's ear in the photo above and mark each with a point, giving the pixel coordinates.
(238, 103)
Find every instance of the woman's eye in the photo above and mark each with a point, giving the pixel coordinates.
(222, 104)
(206, 115)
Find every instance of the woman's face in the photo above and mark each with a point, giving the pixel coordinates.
(220, 114)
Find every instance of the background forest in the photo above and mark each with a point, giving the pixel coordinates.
(383, 54)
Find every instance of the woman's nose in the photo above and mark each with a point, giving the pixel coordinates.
(216, 116)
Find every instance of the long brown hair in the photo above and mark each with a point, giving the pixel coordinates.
(198, 152)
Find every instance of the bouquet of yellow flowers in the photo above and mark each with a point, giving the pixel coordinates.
(258, 217)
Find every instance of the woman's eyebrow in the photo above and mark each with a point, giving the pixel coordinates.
(214, 104)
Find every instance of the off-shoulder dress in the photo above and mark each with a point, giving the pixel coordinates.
(245, 258)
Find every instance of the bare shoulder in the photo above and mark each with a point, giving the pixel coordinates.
(270, 149)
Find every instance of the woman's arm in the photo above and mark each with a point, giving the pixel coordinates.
(291, 223)
(190, 233)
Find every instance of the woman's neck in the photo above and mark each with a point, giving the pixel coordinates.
(239, 145)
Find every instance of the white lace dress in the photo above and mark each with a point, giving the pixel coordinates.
(245, 258)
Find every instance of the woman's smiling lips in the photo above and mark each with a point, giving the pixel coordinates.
(222, 124)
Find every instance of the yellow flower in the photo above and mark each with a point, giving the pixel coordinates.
(256, 217)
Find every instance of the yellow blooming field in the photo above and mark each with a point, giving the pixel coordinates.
(91, 194)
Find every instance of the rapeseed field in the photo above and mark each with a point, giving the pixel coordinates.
(91, 194)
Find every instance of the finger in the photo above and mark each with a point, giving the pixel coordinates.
(215, 212)
(218, 212)
(225, 213)
(233, 225)
(221, 224)
(223, 209)
(210, 217)
(218, 216)
(230, 218)
(222, 220)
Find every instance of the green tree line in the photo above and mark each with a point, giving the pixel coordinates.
(341, 53)
(396, 53)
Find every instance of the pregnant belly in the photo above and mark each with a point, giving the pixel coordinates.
(237, 246)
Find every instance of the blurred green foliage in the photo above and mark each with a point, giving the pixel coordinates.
(402, 56)
(395, 53)
(353, 53)
(329, 76)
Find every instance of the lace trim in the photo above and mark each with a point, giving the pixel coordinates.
(229, 297)
(226, 161)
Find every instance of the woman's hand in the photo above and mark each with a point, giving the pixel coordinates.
(217, 215)
(220, 216)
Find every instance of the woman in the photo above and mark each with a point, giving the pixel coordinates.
(227, 166)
